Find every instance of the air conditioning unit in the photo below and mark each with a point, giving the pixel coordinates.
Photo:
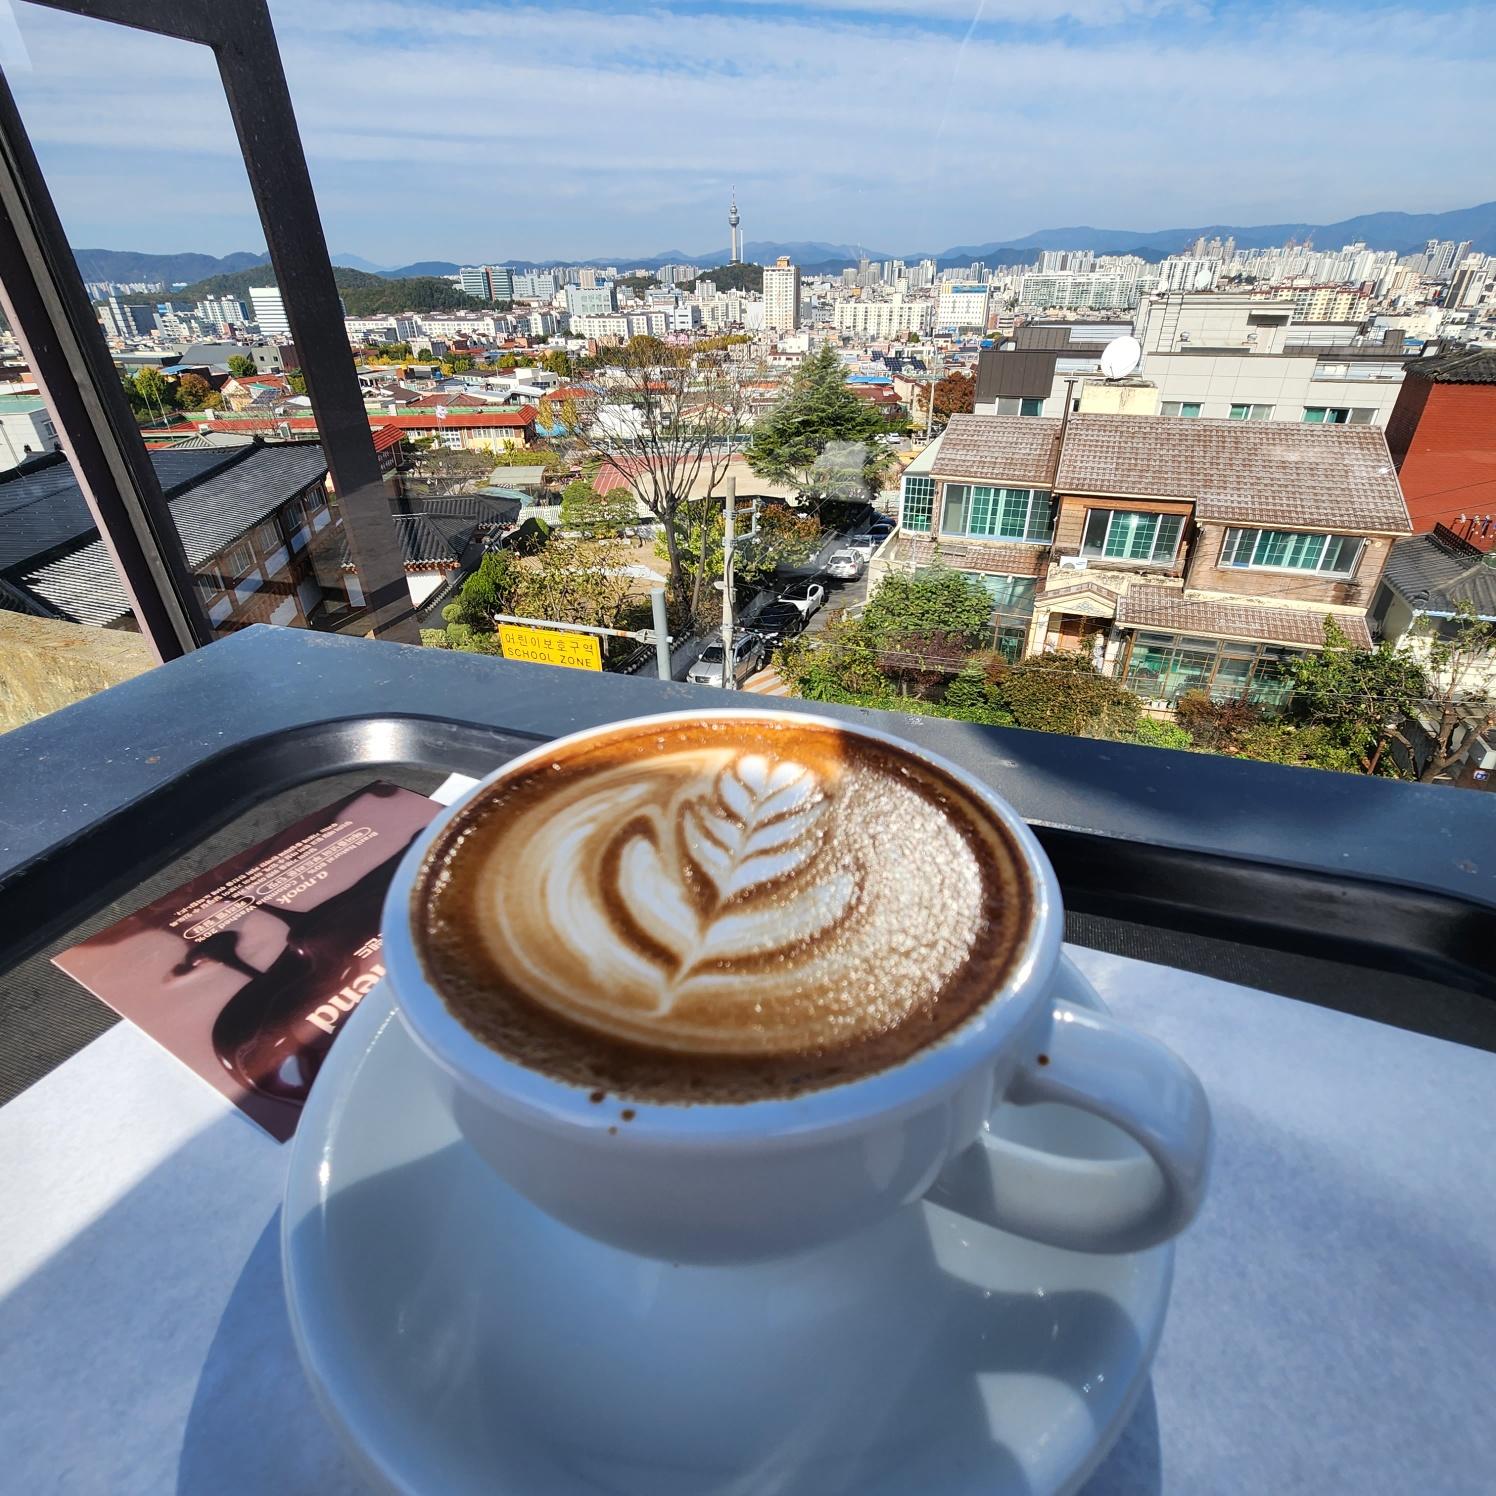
(1072, 563)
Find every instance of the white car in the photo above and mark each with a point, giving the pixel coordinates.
(864, 546)
(847, 565)
(748, 658)
(807, 596)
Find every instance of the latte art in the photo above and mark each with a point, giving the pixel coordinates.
(776, 900)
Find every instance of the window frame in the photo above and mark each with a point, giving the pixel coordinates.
(928, 499)
(1250, 409)
(1152, 559)
(996, 501)
(1231, 544)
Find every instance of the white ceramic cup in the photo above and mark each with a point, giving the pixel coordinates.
(737, 1182)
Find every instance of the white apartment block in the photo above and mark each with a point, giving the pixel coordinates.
(655, 324)
(883, 319)
(962, 304)
(1186, 273)
(1330, 304)
(220, 311)
(781, 296)
(1229, 356)
(269, 311)
(1093, 291)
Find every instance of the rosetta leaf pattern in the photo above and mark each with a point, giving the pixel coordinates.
(758, 825)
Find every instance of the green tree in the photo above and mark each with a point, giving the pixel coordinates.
(819, 435)
(936, 599)
(1360, 696)
(1459, 658)
(241, 365)
(584, 508)
(458, 363)
(487, 591)
(296, 380)
(1065, 693)
(558, 362)
(156, 391)
(839, 663)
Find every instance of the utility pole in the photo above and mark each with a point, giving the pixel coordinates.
(729, 673)
(930, 402)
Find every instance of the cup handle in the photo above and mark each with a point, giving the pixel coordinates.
(1091, 1061)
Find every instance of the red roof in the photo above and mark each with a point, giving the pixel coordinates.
(386, 437)
(523, 418)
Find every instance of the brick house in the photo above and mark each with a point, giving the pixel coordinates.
(1181, 554)
(1442, 435)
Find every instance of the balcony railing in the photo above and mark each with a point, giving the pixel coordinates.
(1249, 861)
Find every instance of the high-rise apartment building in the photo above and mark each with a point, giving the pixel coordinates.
(882, 319)
(963, 304)
(1471, 280)
(591, 301)
(269, 311)
(124, 321)
(782, 295)
(222, 311)
(474, 281)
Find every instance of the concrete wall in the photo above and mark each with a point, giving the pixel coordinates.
(46, 664)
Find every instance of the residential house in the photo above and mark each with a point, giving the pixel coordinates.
(1428, 582)
(1181, 554)
(251, 518)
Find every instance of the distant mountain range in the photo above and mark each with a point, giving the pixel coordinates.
(1403, 232)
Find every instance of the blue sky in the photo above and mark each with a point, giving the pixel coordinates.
(507, 130)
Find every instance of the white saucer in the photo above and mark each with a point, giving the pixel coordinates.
(459, 1340)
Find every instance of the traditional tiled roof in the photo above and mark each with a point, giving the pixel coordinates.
(1162, 608)
(1470, 366)
(1014, 450)
(1437, 573)
(242, 487)
(1243, 472)
(1082, 589)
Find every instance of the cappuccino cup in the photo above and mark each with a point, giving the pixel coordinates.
(717, 988)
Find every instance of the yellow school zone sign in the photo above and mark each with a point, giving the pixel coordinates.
(550, 647)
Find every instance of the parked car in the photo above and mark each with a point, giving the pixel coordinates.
(864, 546)
(807, 596)
(881, 528)
(778, 622)
(748, 658)
(847, 565)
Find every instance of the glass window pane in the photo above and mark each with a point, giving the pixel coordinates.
(1013, 519)
(1041, 518)
(1167, 541)
(953, 518)
(1095, 536)
(979, 521)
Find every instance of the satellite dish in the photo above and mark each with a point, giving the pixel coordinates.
(1120, 357)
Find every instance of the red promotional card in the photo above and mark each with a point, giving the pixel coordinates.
(246, 973)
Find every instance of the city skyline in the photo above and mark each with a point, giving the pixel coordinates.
(1109, 111)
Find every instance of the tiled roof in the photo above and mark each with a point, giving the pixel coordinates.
(42, 507)
(456, 401)
(426, 540)
(1161, 608)
(1256, 472)
(1471, 366)
(1019, 560)
(1013, 450)
(386, 437)
(1436, 573)
(248, 485)
(1081, 589)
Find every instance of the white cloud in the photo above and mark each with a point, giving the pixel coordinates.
(439, 130)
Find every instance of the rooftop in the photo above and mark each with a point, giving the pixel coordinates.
(1438, 573)
(1163, 608)
(1472, 366)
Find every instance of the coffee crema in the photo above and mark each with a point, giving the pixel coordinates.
(720, 911)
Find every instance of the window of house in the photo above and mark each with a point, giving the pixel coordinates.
(236, 562)
(266, 537)
(1340, 415)
(1031, 407)
(919, 501)
(1024, 514)
(1164, 667)
(1292, 550)
(1010, 594)
(1127, 535)
(1250, 412)
(1189, 409)
(1015, 405)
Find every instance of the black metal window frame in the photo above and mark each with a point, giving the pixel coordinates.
(42, 292)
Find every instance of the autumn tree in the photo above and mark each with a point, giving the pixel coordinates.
(195, 393)
(956, 394)
(663, 425)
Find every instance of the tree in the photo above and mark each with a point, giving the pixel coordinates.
(956, 394)
(195, 393)
(584, 508)
(934, 599)
(840, 663)
(819, 435)
(156, 391)
(1360, 695)
(486, 592)
(558, 362)
(296, 381)
(457, 363)
(576, 579)
(241, 365)
(664, 428)
(1065, 693)
(1459, 672)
